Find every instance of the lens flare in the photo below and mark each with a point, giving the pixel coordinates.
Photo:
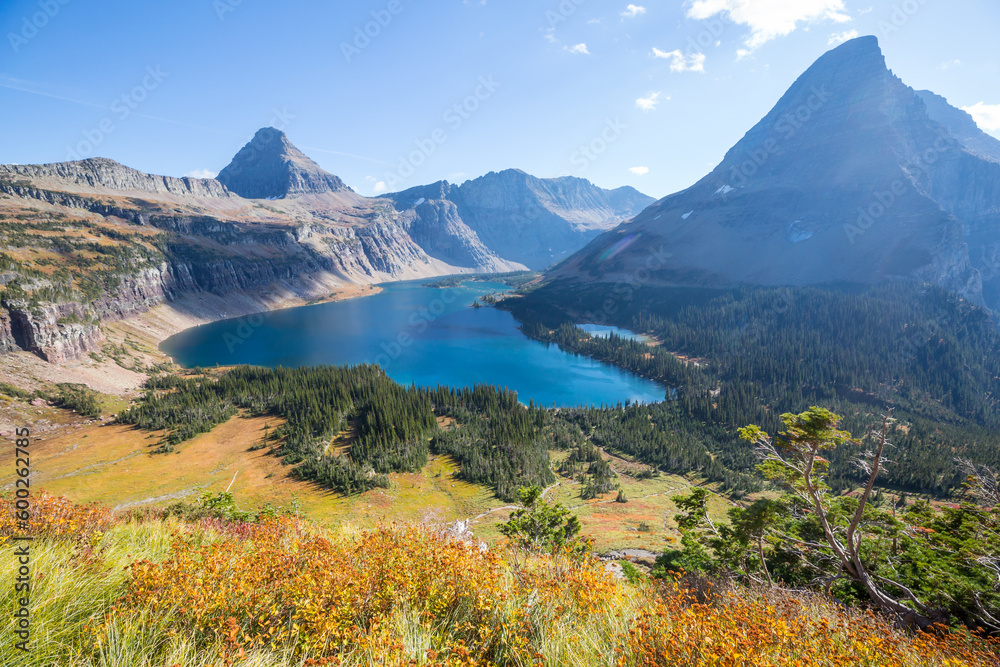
(619, 246)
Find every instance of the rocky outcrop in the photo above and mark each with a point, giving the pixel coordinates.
(8, 343)
(102, 173)
(55, 332)
(434, 223)
(846, 179)
(25, 190)
(270, 167)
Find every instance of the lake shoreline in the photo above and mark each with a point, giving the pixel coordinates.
(419, 334)
(140, 336)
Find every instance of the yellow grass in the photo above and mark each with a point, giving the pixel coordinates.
(115, 465)
(143, 592)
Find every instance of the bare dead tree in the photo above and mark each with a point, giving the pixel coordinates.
(981, 481)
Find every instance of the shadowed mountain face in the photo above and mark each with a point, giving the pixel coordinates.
(270, 167)
(851, 177)
(961, 126)
(529, 220)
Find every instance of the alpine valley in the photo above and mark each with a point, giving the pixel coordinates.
(837, 273)
(94, 242)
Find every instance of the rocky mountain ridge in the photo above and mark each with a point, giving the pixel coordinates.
(848, 179)
(533, 221)
(104, 174)
(92, 242)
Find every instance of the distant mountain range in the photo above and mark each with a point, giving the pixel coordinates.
(852, 177)
(272, 222)
(533, 221)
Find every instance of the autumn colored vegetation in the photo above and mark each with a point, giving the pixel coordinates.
(161, 589)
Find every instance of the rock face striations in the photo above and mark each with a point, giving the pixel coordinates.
(532, 221)
(851, 177)
(91, 242)
(270, 167)
(103, 174)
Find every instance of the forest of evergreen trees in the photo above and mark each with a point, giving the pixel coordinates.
(754, 353)
(726, 359)
(496, 440)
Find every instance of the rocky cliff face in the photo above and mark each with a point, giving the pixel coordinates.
(55, 332)
(102, 173)
(434, 223)
(961, 126)
(128, 241)
(847, 179)
(518, 217)
(270, 167)
(8, 342)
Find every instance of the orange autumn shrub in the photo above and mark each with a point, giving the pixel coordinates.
(52, 517)
(744, 628)
(398, 595)
(329, 598)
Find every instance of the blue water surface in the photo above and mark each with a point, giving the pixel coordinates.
(419, 334)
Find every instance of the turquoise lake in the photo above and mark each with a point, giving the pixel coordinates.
(419, 334)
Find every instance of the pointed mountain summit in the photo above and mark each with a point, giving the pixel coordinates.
(849, 178)
(270, 167)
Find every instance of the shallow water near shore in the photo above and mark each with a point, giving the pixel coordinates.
(419, 334)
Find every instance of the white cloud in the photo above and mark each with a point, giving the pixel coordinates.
(633, 10)
(201, 173)
(949, 64)
(841, 37)
(679, 62)
(987, 116)
(580, 49)
(768, 19)
(380, 187)
(639, 171)
(649, 102)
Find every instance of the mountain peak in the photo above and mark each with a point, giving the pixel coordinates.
(269, 166)
(801, 198)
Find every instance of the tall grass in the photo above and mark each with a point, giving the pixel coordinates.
(154, 592)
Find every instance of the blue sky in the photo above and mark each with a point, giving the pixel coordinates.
(648, 94)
